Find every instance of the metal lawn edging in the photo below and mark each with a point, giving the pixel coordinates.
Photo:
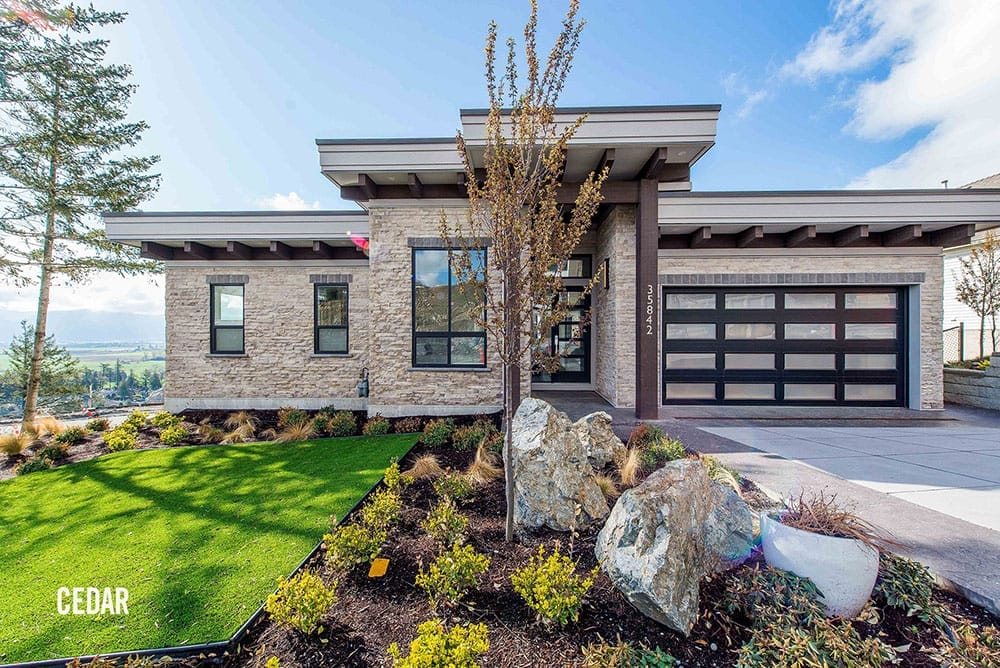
(216, 647)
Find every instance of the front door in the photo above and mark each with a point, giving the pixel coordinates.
(571, 339)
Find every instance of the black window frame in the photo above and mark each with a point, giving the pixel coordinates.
(213, 328)
(415, 336)
(317, 327)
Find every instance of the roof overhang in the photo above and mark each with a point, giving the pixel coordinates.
(838, 218)
(241, 235)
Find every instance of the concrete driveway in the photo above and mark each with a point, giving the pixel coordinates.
(954, 470)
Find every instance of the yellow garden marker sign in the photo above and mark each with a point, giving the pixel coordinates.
(379, 567)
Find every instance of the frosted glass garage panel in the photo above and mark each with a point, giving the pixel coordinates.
(749, 391)
(870, 330)
(691, 330)
(690, 300)
(810, 361)
(869, 361)
(860, 392)
(859, 300)
(689, 391)
(750, 330)
(749, 301)
(690, 360)
(810, 331)
(810, 391)
(749, 361)
(810, 300)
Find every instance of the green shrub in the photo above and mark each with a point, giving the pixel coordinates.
(469, 438)
(408, 425)
(643, 435)
(381, 510)
(123, 437)
(54, 452)
(392, 477)
(97, 424)
(771, 597)
(164, 419)
(71, 435)
(292, 417)
(342, 423)
(376, 426)
(174, 434)
(321, 424)
(824, 643)
(137, 418)
(444, 523)
(664, 449)
(454, 486)
(452, 574)
(550, 586)
(32, 465)
(437, 432)
(352, 545)
(626, 655)
(908, 586)
(436, 647)
(301, 601)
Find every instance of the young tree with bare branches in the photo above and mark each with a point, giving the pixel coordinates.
(515, 214)
(978, 286)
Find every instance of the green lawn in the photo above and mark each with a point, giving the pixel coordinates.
(197, 534)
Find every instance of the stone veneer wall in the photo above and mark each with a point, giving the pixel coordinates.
(279, 367)
(766, 261)
(396, 387)
(614, 309)
(971, 387)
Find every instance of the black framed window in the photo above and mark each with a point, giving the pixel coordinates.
(577, 266)
(330, 318)
(445, 332)
(226, 318)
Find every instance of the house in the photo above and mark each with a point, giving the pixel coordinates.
(960, 321)
(761, 298)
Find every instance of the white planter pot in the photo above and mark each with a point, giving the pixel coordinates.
(844, 569)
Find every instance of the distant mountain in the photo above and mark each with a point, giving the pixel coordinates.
(89, 326)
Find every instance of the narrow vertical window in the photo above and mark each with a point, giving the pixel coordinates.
(445, 331)
(331, 319)
(227, 319)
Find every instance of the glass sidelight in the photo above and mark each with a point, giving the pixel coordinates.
(571, 339)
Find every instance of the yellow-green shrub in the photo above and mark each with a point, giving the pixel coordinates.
(174, 434)
(454, 486)
(351, 545)
(393, 478)
(381, 510)
(301, 601)
(71, 435)
(164, 419)
(550, 586)
(437, 647)
(137, 418)
(444, 523)
(453, 573)
(98, 424)
(123, 437)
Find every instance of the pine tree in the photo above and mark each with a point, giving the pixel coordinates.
(61, 374)
(64, 157)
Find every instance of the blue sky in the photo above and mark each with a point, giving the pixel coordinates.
(859, 93)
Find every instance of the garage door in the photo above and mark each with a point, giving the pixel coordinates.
(802, 346)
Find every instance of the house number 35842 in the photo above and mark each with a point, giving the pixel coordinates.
(650, 305)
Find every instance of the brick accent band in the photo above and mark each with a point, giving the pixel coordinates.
(330, 278)
(853, 278)
(242, 279)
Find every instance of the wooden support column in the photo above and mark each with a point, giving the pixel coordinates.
(647, 304)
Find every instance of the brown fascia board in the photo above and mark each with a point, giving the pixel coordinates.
(654, 108)
(959, 192)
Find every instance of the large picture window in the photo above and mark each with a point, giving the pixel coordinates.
(226, 319)
(330, 319)
(445, 332)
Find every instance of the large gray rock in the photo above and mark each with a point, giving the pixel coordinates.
(554, 482)
(664, 536)
(598, 438)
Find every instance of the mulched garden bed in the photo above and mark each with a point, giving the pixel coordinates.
(370, 614)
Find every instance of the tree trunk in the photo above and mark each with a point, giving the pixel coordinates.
(982, 335)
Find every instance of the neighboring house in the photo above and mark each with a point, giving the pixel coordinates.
(957, 314)
(800, 298)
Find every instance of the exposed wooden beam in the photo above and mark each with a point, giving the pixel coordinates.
(238, 250)
(197, 250)
(323, 249)
(902, 235)
(603, 211)
(607, 160)
(281, 249)
(414, 184)
(613, 192)
(959, 235)
(654, 166)
(154, 251)
(367, 186)
(851, 235)
(700, 237)
(749, 235)
(800, 235)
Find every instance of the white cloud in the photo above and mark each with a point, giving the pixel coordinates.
(106, 292)
(290, 202)
(943, 59)
(735, 85)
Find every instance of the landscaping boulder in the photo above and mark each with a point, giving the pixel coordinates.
(665, 535)
(554, 482)
(598, 438)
